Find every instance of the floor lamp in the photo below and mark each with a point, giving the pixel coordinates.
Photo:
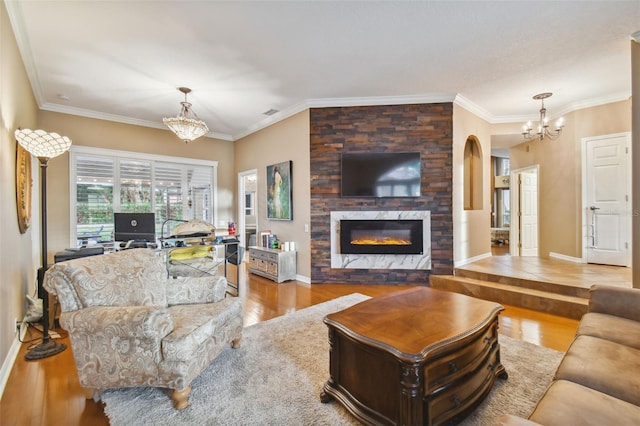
(44, 146)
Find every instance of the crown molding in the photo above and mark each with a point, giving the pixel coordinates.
(344, 102)
(457, 99)
(431, 98)
(272, 119)
(566, 109)
(594, 102)
(119, 119)
(14, 11)
(473, 108)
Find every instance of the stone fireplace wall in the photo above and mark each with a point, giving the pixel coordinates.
(427, 128)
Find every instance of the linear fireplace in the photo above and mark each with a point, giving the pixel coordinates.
(400, 240)
(383, 236)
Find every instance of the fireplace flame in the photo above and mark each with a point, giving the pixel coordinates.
(380, 242)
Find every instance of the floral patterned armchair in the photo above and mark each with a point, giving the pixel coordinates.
(130, 325)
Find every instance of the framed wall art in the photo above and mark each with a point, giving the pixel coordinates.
(23, 187)
(279, 195)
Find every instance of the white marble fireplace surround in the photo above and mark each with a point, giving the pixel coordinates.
(381, 261)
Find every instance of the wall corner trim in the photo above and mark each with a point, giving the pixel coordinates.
(459, 263)
(303, 279)
(559, 256)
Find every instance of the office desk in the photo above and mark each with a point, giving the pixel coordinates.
(223, 253)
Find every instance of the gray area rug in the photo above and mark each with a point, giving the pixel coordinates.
(277, 375)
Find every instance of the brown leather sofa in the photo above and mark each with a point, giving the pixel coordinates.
(598, 380)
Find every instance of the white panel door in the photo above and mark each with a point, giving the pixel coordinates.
(608, 201)
(529, 213)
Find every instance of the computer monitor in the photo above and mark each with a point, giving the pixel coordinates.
(135, 226)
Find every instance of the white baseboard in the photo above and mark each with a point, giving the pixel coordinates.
(303, 279)
(7, 365)
(553, 255)
(471, 259)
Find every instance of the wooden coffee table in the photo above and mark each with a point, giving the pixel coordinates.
(419, 356)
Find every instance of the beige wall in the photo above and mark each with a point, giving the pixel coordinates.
(471, 236)
(286, 140)
(560, 178)
(19, 258)
(110, 135)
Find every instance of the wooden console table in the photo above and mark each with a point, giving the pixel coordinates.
(419, 356)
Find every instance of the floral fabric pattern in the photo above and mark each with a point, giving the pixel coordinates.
(135, 277)
(206, 289)
(132, 325)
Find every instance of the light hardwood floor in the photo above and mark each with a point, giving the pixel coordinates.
(47, 392)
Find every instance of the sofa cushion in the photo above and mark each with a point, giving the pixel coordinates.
(566, 403)
(603, 366)
(193, 324)
(609, 327)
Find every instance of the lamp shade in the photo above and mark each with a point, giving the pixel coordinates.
(42, 144)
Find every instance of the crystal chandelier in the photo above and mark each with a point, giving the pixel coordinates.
(187, 125)
(542, 130)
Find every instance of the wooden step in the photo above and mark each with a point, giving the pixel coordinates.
(546, 286)
(530, 298)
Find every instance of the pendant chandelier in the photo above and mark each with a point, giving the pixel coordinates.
(542, 130)
(186, 125)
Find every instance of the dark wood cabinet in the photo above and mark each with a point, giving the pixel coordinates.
(419, 356)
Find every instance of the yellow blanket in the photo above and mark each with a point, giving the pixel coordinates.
(193, 252)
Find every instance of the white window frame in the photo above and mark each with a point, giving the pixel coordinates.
(76, 150)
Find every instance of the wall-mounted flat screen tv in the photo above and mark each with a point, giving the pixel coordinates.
(384, 174)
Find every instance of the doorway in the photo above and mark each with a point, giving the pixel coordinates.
(500, 205)
(524, 202)
(606, 197)
(247, 207)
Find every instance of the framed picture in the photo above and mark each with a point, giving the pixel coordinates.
(279, 195)
(23, 187)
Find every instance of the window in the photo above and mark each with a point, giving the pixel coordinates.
(502, 166)
(106, 181)
(248, 203)
(501, 195)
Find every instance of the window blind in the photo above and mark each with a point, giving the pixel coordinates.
(106, 184)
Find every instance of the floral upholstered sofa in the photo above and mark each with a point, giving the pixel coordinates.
(131, 325)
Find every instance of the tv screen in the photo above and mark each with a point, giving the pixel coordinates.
(134, 226)
(387, 174)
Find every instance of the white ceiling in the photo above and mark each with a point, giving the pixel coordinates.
(123, 60)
